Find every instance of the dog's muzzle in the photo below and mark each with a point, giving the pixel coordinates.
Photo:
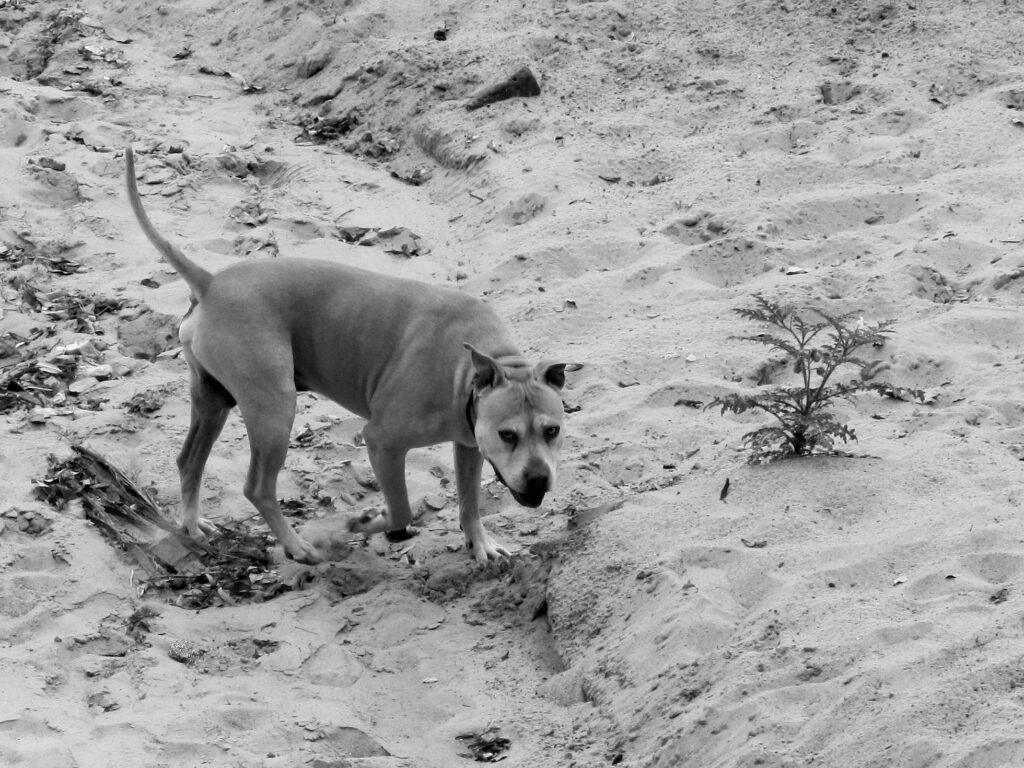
(533, 495)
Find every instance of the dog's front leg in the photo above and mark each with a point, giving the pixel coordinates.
(389, 466)
(468, 464)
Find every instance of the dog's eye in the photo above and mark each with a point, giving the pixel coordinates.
(507, 436)
(550, 433)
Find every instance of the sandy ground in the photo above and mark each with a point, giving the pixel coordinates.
(680, 156)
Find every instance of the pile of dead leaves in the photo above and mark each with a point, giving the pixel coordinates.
(487, 746)
(50, 258)
(397, 240)
(79, 309)
(317, 129)
(43, 380)
(37, 371)
(26, 380)
(341, 130)
(231, 566)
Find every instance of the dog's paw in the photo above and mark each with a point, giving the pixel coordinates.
(200, 529)
(483, 548)
(301, 551)
(371, 521)
(333, 544)
(402, 534)
(207, 527)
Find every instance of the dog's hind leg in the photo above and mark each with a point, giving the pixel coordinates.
(268, 409)
(211, 404)
(468, 465)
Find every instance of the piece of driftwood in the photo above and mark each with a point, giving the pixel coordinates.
(232, 565)
(520, 83)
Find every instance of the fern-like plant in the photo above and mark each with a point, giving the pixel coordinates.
(814, 350)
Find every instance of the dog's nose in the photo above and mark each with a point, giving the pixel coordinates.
(535, 486)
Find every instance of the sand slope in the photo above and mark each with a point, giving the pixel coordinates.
(677, 160)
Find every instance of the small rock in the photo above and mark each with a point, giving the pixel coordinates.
(130, 313)
(525, 208)
(158, 176)
(104, 701)
(105, 643)
(517, 126)
(838, 93)
(49, 162)
(364, 476)
(40, 415)
(62, 185)
(435, 501)
(315, 61)
(148, 335)
(185, 651)
(99, 371)
(83, 385)
(564, 689)
(717, 225)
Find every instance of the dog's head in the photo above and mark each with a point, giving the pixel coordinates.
(518, 422)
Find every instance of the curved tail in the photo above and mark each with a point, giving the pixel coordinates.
(198, 279)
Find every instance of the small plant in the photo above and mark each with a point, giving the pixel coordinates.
(814, 351)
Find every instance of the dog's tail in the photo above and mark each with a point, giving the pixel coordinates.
(198, 279)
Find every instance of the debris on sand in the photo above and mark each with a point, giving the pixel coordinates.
(104, 54)
(401, 241)
(340, 129)
(147, 402)
(232, 565)
(524, 209)
(30, 521)
(247, 86)
(39, 381)
(414, 178)
(81, 310)
(397, 240)
(487, 746)
(48, 254)
(317, 129)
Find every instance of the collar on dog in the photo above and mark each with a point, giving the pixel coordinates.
(471, 411)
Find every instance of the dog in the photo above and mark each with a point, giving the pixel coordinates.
(423, 364)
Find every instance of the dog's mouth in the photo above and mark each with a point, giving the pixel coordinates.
(531, 498)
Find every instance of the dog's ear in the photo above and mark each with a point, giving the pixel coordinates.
(554, 373)
(488, 371)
